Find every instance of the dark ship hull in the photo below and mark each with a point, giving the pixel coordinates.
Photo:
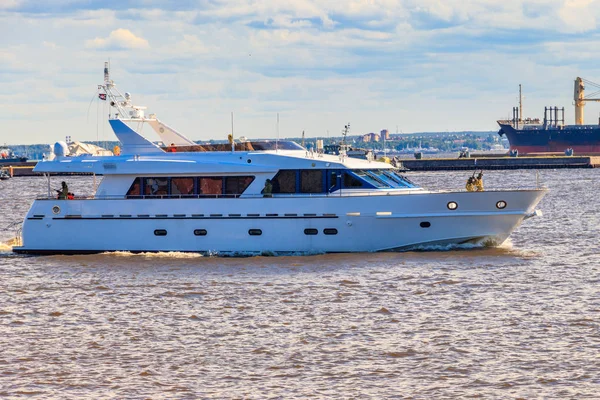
(583, 139)
(12, 160)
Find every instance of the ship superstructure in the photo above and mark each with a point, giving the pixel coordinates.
(551, 134)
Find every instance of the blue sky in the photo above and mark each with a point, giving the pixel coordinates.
(416, 65)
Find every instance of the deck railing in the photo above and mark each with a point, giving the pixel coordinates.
(343, 193)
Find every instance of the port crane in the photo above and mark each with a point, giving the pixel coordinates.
(580, 97)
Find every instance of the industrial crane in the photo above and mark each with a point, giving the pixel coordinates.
(580, 98)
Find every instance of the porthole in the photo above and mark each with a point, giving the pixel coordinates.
(311, 231)
(501, 204)
(56, 209)
(160, 232)
(200, 232)
(254, 232)
(452, 205)
(249, 161)
(330, 231)
(425, 224)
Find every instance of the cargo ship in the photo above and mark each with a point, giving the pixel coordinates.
(551, 135)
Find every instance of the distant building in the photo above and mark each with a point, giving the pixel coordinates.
(371, 137)
(385, 134)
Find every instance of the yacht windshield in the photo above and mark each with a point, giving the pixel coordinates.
(392, 178)
(370, 178)
(276, 145)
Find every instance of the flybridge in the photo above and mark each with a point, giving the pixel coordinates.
(125, 110)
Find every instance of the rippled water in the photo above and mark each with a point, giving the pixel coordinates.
(521, 320)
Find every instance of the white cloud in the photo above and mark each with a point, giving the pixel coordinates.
(579, 15)
(321, 63)
(119, 39)
(8, 4)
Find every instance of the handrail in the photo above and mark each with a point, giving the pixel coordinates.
(345, 193)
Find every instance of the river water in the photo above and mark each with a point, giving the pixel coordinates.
(518, 321)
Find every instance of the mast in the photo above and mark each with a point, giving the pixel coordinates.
(520, 104)
(578, 96)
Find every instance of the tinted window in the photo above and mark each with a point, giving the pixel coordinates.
(200, 232)
(182, 186)
(311, 231)
(156, 186)
(311, 181)
(136, 188)
(237, 184)
(332, 180)
(350, 181)
(330, 231)
(210, 186)
(160, 232)
(255, 232)
(284, 182)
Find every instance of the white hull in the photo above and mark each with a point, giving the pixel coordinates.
(363, 223)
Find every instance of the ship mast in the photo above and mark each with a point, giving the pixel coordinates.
(580, 99)
(520, 104)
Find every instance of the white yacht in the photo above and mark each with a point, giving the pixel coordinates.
(243, 198)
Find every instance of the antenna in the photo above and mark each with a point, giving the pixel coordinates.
(345, 133)
(277, 140)
(232, 141)
(302, 138)
(520, 104)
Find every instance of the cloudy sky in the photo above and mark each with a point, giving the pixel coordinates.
(406, 65)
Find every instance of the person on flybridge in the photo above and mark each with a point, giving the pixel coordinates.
(63, 193)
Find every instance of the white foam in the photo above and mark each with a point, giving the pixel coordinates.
(161, 254)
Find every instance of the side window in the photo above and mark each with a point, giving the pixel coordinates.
(237, 184)
(350, 181)
(284, 182)
(210, 186)
(311, 181)
(135, 189)
(182, 186)
(156, 186)
(332, 180)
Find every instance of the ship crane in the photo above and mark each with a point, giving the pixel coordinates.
(580, 97)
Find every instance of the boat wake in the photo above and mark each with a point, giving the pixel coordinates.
(160, 254)
(507, 245)
(8, 245)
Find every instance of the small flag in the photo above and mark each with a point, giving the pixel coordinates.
(102, 96)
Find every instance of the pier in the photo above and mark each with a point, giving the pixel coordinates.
(503, 162)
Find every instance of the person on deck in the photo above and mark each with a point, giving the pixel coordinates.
(63, 193)
(268, 189)
(171, 148)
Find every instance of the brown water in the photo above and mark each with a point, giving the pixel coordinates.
(519, 321)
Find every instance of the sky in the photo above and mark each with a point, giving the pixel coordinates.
(406, 66)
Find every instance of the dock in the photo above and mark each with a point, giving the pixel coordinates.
(26, 169)
(503, 162)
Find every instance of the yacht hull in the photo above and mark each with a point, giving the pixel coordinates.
(294, 224)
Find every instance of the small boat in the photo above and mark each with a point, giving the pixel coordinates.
(4, 175)
(246, 198)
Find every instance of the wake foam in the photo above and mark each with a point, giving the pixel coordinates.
(160, 254)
